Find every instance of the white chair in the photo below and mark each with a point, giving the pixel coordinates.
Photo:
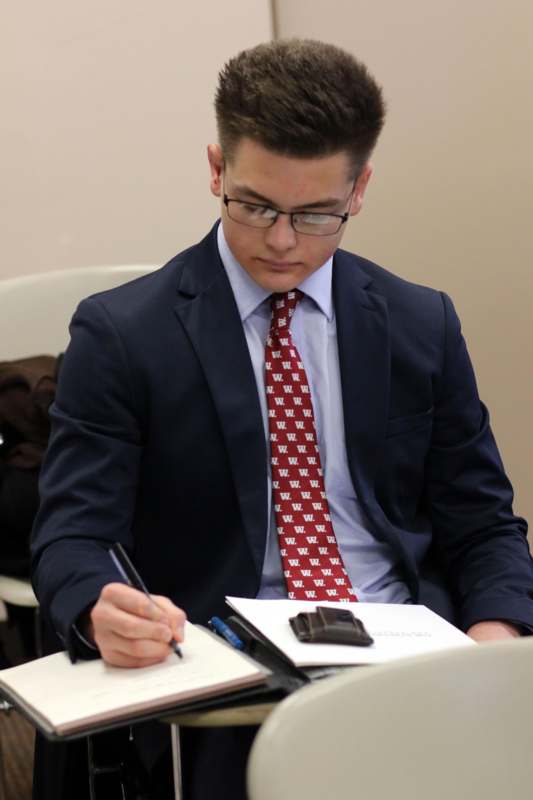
(451, 725)
(36, 309)
(35, 314)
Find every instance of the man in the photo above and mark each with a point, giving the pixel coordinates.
(165, 427)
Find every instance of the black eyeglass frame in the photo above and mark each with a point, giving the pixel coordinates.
(342, 217)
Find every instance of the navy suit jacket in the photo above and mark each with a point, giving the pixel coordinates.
(158, 442)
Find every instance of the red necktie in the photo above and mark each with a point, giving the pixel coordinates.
(312, 563)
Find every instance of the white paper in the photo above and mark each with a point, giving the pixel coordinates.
(398, 630)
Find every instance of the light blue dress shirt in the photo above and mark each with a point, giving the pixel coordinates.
(369, 562)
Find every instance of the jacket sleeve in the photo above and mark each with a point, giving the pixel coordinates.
(482, 545)
(89, 477)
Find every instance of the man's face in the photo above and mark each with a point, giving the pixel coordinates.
(278, 258)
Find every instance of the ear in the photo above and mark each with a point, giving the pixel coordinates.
(216, 168)
(360, 189)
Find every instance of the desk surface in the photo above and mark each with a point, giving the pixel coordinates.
(218, 718)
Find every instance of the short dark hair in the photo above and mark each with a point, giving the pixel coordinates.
(299, 97)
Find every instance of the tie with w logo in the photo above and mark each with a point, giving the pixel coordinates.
(312, 563)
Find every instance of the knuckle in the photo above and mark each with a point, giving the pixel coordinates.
(144, 662)
(98, 618)
(129, 627)
(108, 592)
(164, 633)
(144, 608)
(118, 659)
(137, 648)
(141, 648)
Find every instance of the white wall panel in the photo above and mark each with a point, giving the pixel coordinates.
(450, 204)
(106, 113)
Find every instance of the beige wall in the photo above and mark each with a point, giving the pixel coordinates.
(107, 108)
(450, 203)
(106, 112)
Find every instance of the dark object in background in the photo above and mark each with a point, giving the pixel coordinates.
(27, 388)
(19, 501)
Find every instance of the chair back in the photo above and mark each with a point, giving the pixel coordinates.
(455, 724)
(35, 310)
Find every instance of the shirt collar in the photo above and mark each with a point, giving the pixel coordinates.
(249, 295)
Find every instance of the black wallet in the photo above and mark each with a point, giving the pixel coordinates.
(330, 626)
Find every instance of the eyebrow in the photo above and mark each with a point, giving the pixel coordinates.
(327, 201)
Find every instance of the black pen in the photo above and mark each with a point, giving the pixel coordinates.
(131, 576)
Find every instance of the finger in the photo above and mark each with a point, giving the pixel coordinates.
(137, 648)
(132, 650)
(175, 616)
(118, 659)
(129, 599)
(108, 620)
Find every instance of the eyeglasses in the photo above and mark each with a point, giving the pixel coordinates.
(310, 223)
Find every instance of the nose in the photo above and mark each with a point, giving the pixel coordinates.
(281, 236)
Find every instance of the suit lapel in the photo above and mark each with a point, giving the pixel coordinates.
(207, 310)
(364, 357)
(363, 335)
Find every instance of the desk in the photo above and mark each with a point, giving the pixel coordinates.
(218, 718)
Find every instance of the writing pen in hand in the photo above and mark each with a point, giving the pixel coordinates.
(122, 562)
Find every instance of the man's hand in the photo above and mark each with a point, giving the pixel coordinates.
(492, 630)
(131, 631)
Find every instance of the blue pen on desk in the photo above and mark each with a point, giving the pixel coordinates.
(225, 631)
(131, 576)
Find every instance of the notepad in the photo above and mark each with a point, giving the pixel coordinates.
(63, 698)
